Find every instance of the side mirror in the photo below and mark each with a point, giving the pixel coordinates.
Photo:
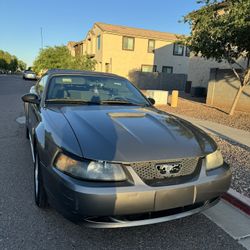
(31, 98)
(152, 101)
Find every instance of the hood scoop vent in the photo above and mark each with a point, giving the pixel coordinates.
(126, 114)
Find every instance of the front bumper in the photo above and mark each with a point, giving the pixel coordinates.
(149, 218)
(89, 200)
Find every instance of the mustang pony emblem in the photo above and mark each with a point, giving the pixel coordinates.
(169, 168)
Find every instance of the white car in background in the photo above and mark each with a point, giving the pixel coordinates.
(29, 75)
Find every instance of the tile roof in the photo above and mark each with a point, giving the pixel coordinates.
(124, 30)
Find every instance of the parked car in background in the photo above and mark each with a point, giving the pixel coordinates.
(103, 154)
(3, 71)
(29, 75)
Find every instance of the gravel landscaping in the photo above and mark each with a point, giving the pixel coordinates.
(238, 157)
(240, 120)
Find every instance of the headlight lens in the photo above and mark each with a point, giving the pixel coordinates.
(92, 170)
(214, 160)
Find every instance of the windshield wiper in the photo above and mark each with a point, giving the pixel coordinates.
(71, 101)
(120, 102)
(78, 101)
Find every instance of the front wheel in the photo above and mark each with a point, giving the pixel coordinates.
(40, 194)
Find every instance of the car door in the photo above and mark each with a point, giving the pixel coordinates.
(34, 116)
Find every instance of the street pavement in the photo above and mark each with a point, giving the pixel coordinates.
(24, 226)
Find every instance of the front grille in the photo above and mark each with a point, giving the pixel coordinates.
(148, 170)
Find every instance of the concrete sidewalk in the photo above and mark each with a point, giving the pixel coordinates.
(232, 221)
(237, 135)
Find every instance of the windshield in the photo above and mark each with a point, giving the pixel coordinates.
(93, 89)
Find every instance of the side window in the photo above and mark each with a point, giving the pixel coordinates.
(41, 85)
(187, 52)
(178, 49)
(148, 68)
(128, 43)
(99, 42)
(151, 46)
(167, 69)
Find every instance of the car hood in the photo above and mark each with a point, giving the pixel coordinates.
(129, 134)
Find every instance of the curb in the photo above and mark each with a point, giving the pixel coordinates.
(238, 200)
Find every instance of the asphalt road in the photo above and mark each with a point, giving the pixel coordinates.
(24, 226)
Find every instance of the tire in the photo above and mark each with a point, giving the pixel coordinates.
(39, 191)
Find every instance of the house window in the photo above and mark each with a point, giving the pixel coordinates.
(148, 68)
(167, 69)
(99, 42)
(128, 43)
(187, 52)
(151, 46)
(178, 49)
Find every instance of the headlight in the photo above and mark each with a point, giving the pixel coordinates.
(214, 160)
(92, 170)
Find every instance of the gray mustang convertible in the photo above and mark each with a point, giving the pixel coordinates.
(103, 155)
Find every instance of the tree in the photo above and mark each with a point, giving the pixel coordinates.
(221, 31)
(13, 64)
(59, 57)
(8, 61)
(83, 62)
(21, 65)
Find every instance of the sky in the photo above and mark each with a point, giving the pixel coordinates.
(64, 20)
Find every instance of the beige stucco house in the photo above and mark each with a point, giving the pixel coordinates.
(121, 50)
